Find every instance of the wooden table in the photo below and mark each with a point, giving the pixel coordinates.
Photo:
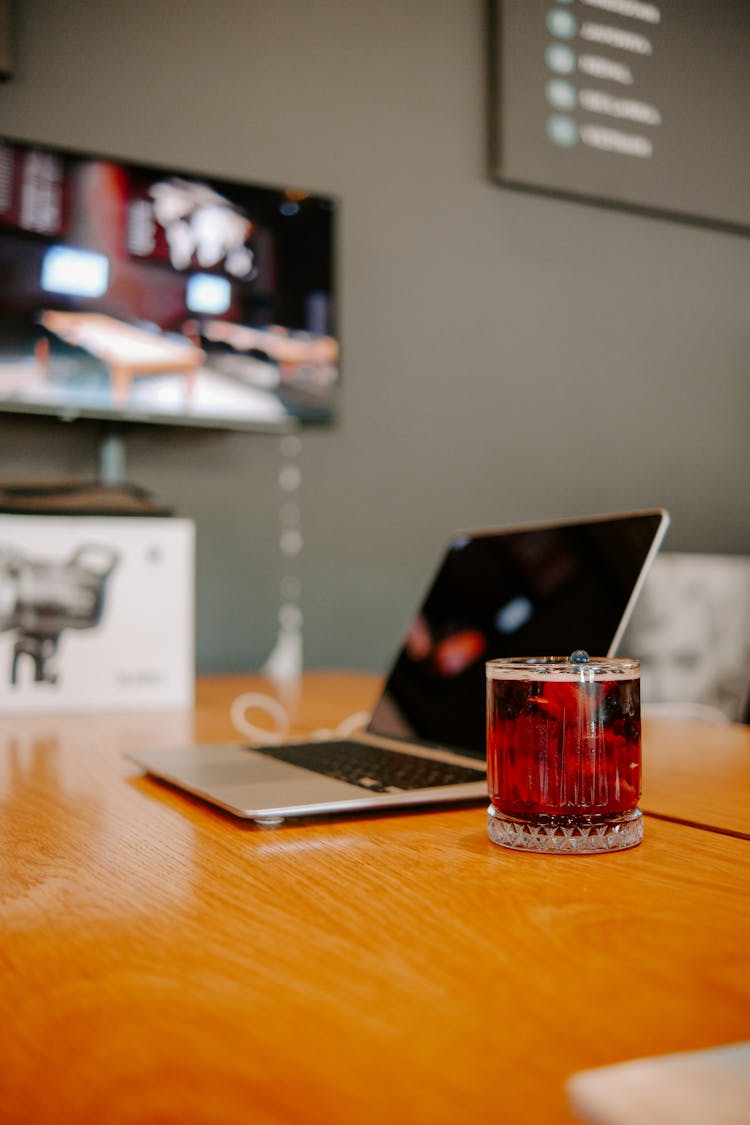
(688, 768)
(128, 352)
(290, 349)
(164, 963)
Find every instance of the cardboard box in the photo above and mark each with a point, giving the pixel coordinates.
(96, 613)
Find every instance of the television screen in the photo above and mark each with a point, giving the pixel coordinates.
(138, 293)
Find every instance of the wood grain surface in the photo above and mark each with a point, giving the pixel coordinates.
(162, 962)
(698, 773)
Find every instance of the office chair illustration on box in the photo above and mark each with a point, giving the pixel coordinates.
(40, 597)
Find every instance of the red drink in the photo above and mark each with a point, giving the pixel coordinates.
(564, 753)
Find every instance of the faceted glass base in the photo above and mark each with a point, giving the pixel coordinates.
(571, 835)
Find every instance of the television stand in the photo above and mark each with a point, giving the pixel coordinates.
(106, 493)
(112, 458)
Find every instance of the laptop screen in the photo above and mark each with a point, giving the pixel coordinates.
(532, 591)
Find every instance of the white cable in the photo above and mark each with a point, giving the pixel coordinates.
(256, 700)
(268, 705)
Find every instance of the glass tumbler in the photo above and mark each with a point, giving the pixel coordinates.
(564, 753)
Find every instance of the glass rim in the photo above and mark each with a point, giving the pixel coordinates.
(530, 667)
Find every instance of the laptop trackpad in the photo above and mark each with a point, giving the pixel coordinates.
(237, 777)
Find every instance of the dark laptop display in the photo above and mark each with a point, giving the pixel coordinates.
(539, 591)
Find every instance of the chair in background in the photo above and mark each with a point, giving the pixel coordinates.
(691, 631)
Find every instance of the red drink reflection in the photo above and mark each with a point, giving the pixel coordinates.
(563, 747)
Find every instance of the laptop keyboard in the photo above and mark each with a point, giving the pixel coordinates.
(372, 767)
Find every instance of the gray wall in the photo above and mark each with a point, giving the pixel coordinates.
(507, 357)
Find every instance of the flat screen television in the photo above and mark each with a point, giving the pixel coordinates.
(149, 294)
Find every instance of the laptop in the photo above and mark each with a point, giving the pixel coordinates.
(536, 590)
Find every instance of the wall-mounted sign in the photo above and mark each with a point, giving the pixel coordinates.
(628, 102)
